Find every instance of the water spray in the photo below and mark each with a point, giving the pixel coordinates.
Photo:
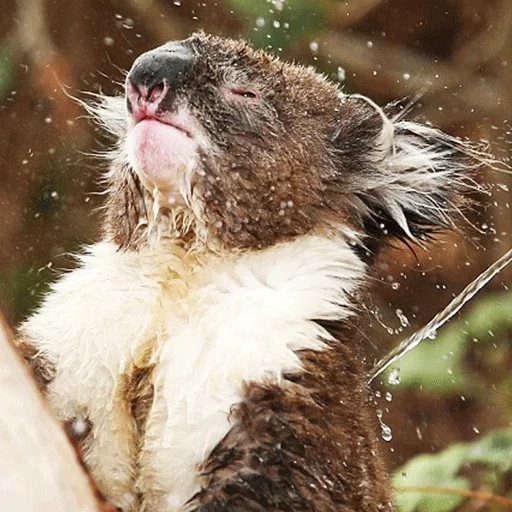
(430, 329)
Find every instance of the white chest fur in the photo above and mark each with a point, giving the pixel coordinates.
(210, 323)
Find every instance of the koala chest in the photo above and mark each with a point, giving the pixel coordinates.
(155, 352)
(149, 367)
(171, 404)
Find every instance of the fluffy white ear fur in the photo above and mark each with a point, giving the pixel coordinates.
(416, 175)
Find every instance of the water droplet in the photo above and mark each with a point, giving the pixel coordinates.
(406, 76)
(278, 4)
(313, 46)
(387, 435)
(260, 22)
(394, 377)
(128, 23)
(395, 285)
(388, 396)
(404, 321)
(108, 41)
(369, 44)
(341, 74)
(276, 24)
(80, 427)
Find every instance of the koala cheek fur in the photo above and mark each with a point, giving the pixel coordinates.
(210, 338)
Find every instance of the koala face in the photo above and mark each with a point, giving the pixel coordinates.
(241, 150)
(238, 133)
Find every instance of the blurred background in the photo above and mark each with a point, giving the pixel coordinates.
(451, 399)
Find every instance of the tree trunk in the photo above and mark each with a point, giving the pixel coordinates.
(39, 469)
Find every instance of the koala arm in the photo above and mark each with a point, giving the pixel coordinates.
(41, 368)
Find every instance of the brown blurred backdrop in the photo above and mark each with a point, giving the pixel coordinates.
(457, 53)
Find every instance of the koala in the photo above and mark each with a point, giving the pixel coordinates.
(207, 346)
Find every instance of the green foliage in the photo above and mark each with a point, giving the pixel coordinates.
(437, 365)
(493, 452)
(431, 470)
(6, 70)
(495, 449)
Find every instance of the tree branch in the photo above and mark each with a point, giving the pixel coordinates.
(39, 469)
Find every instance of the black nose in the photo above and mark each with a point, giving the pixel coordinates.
(152, 68)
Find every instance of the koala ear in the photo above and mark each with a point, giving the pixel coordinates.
(401, 179)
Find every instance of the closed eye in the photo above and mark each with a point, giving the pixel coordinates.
(245, 93)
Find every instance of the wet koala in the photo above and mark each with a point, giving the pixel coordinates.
(206, 344)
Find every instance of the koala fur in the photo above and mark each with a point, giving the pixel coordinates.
(208, 340)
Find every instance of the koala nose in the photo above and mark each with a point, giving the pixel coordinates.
(156, 72)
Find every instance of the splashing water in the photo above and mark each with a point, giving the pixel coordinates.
(386, 432)
(394, 377)
(404, 321)
(430, 329)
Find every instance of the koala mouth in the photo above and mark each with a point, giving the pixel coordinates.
(175, 120)
(170, 120)
(161, 145)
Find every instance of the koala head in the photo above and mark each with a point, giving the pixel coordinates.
(223, 146)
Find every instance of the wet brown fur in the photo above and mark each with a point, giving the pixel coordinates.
(40, 367)
(308, 444)
(139, 392)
